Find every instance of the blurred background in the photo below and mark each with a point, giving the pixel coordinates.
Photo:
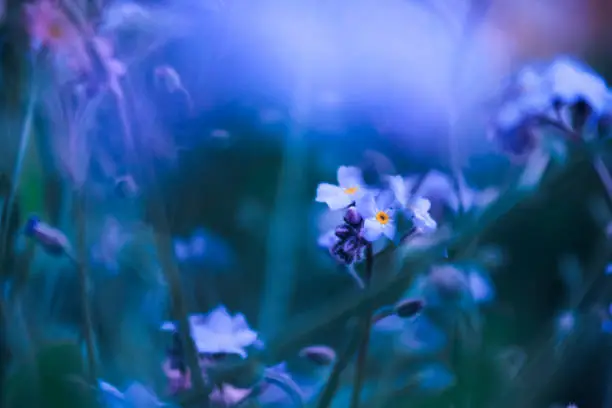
(278, 95)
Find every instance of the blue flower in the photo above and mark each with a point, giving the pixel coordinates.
(350, 188)
(420, 215)
(203, 247)
(378, 215)
(571, 82)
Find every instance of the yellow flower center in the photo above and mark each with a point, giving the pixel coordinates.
(382, 217)
(351, 190)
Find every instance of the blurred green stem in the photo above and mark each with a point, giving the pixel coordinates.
(162, 240)
(24, 140)
(287, 385)
(366, 326)
(84, 284)
(359, 340)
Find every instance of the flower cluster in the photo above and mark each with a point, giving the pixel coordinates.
(564, 94)
(370, 214)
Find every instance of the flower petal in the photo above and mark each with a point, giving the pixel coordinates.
(333, 196)
(399, 187)
(219, 320)
(349, 176)
(385, 200)
(366, 206)
(389, 230)
(372, 229)
(421, 205)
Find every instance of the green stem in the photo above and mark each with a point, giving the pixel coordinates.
(84, 284)
(356, 341)
(366, 327)
(24, 140)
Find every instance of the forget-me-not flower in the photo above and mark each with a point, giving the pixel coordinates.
(378, 215)
(350, 188)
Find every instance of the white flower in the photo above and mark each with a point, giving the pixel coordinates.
(219, 332)
(350, 188)
(420, 215)
(378, 214)
(401, 187)
(571, 82)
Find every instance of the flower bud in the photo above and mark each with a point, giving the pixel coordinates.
(351, 245)
(344, 231)
(51, 239)
(352, 217)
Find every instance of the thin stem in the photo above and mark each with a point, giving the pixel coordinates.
(366, 327)
(287, 385)
(604, 176)
(331, 386)
(23, 146)
(164, 246)
(87, 326)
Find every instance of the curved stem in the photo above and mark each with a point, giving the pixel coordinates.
(24, 140)
(87, 326)
(288, 386)
(366, 327)
(356, 342)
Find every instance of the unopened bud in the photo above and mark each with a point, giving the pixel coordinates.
(352, 217)
(51, 239)
(344, 231)
(351, 245)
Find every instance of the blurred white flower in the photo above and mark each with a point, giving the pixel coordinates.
(219, 332)
(572, 82)
(420, 215)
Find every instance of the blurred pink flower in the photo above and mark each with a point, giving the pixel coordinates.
(49, 26)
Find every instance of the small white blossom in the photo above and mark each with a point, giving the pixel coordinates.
(378, 214)
(350, 188)
(219, 332)
(571, 82)
(420, 215)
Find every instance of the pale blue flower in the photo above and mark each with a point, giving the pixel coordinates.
(420, 215)
(378, 215)
(203, 248)
(350, 188)
(572, 82)
(219, 332)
